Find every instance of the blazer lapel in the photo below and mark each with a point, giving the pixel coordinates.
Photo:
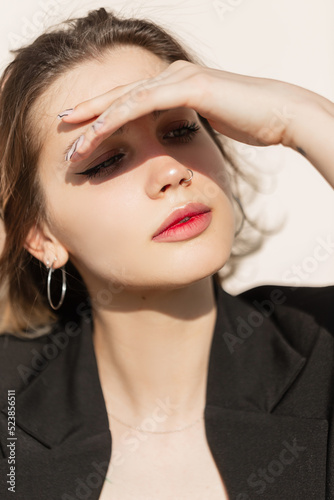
(62, 429)
(65, 398)
(257, 451)
(267, 456)
(251, 365)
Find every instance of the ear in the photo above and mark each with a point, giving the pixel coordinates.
(44, 246)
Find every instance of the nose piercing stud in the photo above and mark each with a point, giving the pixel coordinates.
(191, 176)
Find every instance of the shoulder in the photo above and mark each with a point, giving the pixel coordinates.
(298, 302)
(277, 345)
(15, 349)
(303, 315)
(22, 359)
(16, 354)
(300, 317)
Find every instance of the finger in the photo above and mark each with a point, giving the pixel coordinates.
(97, 105)
(91, 108)
(129, 107)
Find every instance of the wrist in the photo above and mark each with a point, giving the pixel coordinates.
(310, 113)
(311, 133)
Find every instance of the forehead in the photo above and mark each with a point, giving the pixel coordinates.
(119, 66)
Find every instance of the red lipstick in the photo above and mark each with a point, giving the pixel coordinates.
(184, 223)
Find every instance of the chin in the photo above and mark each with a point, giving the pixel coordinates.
(191, 268)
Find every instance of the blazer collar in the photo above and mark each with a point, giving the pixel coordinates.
(257, 450)
(65, 400)
(251, 365)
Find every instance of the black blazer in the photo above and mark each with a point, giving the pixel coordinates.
(268, 415)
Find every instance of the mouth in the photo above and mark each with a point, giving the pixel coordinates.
(184, 223)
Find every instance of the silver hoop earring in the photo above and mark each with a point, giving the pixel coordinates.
(191, 176)
(237, 200)
(63, 286)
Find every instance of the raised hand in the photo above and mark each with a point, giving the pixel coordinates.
(255, 111)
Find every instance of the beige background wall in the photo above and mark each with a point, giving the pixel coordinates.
(291, 40)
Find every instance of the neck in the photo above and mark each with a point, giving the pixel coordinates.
(152, 350)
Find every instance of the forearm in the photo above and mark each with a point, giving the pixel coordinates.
(256, 111)
(312, 133)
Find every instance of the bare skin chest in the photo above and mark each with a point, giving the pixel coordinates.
(176, 466)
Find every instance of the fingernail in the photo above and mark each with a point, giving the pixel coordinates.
(97, 125)
(66, 112)
(75, 146)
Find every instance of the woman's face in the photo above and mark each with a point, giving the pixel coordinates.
(105, 221)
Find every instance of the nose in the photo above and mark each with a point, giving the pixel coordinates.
(167, 173)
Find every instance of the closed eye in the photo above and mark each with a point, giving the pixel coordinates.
(183, 133)
(104, 167)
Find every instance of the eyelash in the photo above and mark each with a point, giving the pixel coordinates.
(190, 130)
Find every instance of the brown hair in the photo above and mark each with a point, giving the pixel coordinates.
(24, 309)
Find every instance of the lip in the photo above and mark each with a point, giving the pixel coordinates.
(171, 229)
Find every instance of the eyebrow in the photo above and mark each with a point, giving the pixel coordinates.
(154, 115)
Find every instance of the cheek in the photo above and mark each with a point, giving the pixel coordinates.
(211, 166)
(92, 220)
(215, 187)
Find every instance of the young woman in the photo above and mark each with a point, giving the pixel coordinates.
(149, 381)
